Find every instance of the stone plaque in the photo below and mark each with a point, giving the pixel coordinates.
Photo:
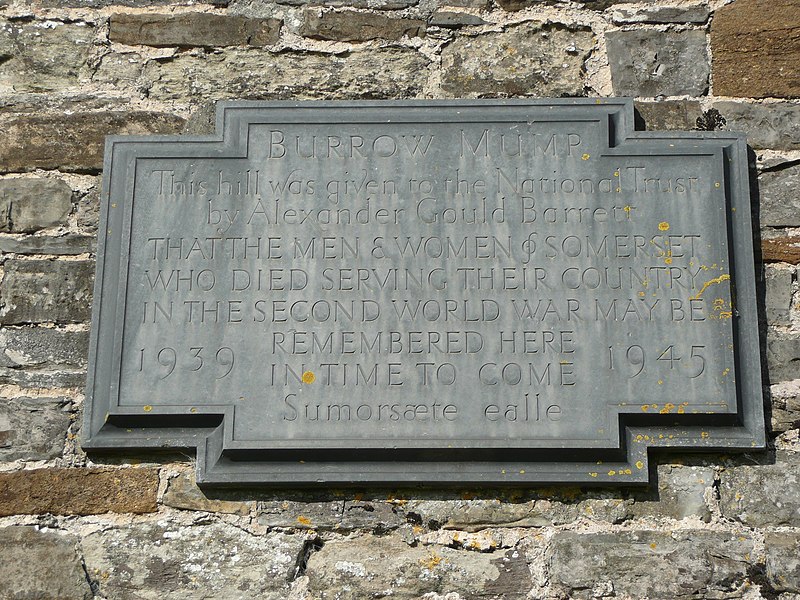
(464, 292)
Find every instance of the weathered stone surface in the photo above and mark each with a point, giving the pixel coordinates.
(37, 291)
(451, 19)
(785, 398)
(69, 244)
(41, 564)
(41, 56)
(783, 561)
(133, 3)
(649, 564)
(372, 515)
(555, 507)
(251, 74)
(778, 300)
(78, 491)
(669, 115)
(44, 378)
(775, 126)
(779, 197)
(352, 26)
(781, 248)
(756, 49)
(681, 493)
(32, 203)
(647, 62)
(477, 4)
(762, 495)
(32, 428)
(119, 69)
(373, 4)
(696, 13)
(300, 515)
(71, 142)
(783, 356)
(372, 567)
(89, 208)
(162, 561)
(183, 492)
(43, 347)
(531, 59)
(192, 29)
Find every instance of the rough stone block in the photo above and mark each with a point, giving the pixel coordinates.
(647, 62)
(785, 405)
(132, 3)
(33, 428)
(649, 564)
(251, 74)
(531, 59)
(43, 347)
(69, 244)
(164, 561)
(33, 203)
(42, 56)
(779, 196)
(371, 567)
(778, 297)
(681, 493)
(775, 126)
(367, 514)
(183, 492)
(300, 515)
(41, 564)
(781, 248)
(74, 141)
(372, 4)
(119, 69)
(762, 495)
(352, 26)
(192, 29)
(783, 561)
(43, 378)
(756, 49)
(693, 13)
(451, 19)
(669, 115)
(78, 491)
(39, 291)
(783, 356)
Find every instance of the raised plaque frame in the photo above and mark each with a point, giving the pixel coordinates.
(619, 458)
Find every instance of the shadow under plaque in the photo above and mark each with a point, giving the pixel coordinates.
(425, 292)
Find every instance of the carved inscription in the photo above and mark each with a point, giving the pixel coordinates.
(390, 280)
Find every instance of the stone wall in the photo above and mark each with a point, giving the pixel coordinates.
(73, 71)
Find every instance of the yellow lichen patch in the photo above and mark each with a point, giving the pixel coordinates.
(725, 372)
(193, 409)
(147, 408)
(431, 562)
(616, 173)
(303, 520)
(627, 209)
(710, 282)
(704, 434)
(660, 381)
(663, 226)
(593, 474)
(639, 464)
(612, 473)
(716, 184)
(681, 410)
(645, 408)
(585, 157)
(653, 546)
(308, 377)
(726, 314)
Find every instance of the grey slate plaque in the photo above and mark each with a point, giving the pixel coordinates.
(463, 292)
